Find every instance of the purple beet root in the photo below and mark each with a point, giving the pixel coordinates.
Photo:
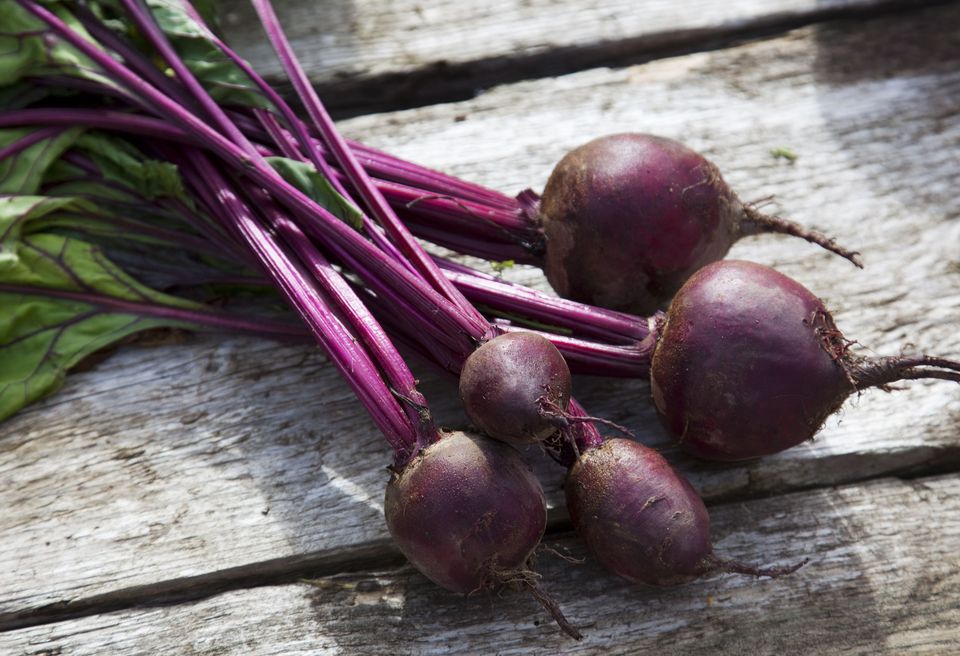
(750, 363)
(468, 513)
(629, 217)
(464, 510)
(516, 387)
(642, 520)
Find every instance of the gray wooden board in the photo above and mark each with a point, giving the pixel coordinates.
(883, 579)
(175, 461)
(411, 52)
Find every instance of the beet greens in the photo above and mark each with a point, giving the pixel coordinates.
(744, 363)
(277, 221)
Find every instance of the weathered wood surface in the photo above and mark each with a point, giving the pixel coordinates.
(883, 578)
(187, 461)
(412, 52)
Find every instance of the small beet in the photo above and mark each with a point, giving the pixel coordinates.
(515, 388)
(750, 362)
(466, 510)
(642, 520)
(629, 217)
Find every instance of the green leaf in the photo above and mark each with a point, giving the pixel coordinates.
(307, 179)
(41, 339)
(119, 161)
(24, 172)
(192, 41)
(19, 54)
(220, 76)
(782, 152)
(17, 211)
(61, 299)
(27, 47)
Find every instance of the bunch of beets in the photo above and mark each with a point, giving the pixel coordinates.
(744, 362)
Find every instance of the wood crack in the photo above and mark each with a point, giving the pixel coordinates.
(443, 81)
(279, 571)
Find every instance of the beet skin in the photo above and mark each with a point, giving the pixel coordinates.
(628, 218)
(749, 363)
(510, 385)
(467, 512)
(639, 518)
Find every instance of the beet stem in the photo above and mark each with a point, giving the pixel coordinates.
(880, 372)
(757, 222)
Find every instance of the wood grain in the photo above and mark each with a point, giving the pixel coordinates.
(180, 461)
(882, 579)
(409, 52)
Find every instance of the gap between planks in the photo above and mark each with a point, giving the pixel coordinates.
(440, 80)
(881, 580)
(952, 452)
(377, 555)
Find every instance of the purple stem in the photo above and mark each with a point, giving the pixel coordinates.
(393, 169)
(168, 236)
(334, 230)
(195, 318)
(288, 147)
(595, 358)
(136, 60)
(461, 224)
(25, 142)
(357, 316)
(593, 322)
(101, 119)
(310, 146)
(335, 289)
(348, 164)
(303, 294)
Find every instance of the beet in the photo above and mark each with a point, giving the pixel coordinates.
(514, 386)
(629, 217)
(642, 520)
(750, 362)
(467, 512)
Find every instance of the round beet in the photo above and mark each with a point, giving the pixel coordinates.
(467, 512)
(750, 362)
(641, 519)
(629, 217)
(516, 388)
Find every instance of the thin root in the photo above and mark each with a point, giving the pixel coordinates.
(737, 567)
(563, 418)
(531, 581)
(562, 556)
(881, 372)
(757, 222)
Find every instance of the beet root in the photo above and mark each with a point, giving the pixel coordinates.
(516, 387)
(749, 363)
(465, 508)
(468, 513)
(642, 520)
(629, 217)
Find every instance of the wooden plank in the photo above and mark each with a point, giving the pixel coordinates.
(407, 52)
(882, 580)
(178, 461)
